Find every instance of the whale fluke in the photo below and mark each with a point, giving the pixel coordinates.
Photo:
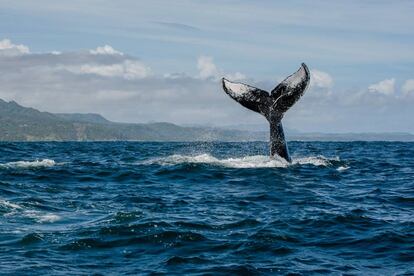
(272, 105)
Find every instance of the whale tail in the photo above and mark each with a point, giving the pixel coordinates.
(272, 105)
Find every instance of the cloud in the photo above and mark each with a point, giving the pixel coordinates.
(123, 88)
(206, 67)
(408, 87)
(128, 69)
(321, 79)
(7, 48)
(178, 26)
(105, 50)
(385, 87)
(120, 87)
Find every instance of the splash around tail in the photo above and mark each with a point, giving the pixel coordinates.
(243, 162)
(272, 105)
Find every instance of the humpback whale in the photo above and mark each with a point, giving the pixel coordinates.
(272, 105)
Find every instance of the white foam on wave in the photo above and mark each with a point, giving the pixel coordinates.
(40, 216)
(15, 210)
(342, 168)
(254, 161)
(29, 164)
(9, 204)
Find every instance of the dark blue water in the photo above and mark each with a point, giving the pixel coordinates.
(206, 208)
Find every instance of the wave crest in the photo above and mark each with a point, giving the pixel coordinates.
(11, 209)
(29, 164)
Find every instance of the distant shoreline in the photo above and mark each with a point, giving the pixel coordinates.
(215, 141)
(23, 124)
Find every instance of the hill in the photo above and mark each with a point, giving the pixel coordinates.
(18, 123)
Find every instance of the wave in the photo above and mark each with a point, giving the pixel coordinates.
(16, 210)
(29, 164)
(166, 237)
(342, 168)
(254, 161)
(41, 217)
(9, 205)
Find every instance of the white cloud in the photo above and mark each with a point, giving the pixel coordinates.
(105, 50)
(123, 88)
(128, 69)
(175, 75)
(7, 48)
(385, 87)
(118, 87)
(408, 87)
(207, 69)
(321, 79)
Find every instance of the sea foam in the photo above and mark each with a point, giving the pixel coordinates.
(16, 210)
(9, 205)
(29, 164)
(41, 217)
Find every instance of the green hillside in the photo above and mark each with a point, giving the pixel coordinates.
(18, 123)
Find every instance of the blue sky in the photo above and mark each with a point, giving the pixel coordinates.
(357, 49)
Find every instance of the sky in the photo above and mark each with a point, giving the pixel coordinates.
(145, 61)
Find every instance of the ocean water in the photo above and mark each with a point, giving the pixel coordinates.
(206, 208)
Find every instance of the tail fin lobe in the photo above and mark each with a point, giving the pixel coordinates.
(248, 96)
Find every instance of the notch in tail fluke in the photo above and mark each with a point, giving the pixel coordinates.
(272, 105)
